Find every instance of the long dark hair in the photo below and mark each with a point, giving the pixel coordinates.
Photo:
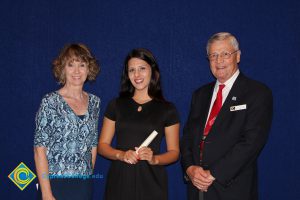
(154, 89)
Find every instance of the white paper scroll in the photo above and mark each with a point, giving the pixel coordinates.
(148, 140)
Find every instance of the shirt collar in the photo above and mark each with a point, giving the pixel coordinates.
(228, 84)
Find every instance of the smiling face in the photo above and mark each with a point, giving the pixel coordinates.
(139, 73)
(223, 68)
(76, 72)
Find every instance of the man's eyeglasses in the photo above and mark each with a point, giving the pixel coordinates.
(224, 55)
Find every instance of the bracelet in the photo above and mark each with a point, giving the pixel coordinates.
(156, 161)
(118, 156)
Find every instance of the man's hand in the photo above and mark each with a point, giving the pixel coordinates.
(200, 178)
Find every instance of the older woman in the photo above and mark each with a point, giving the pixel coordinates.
(66, 128)
(137, 174)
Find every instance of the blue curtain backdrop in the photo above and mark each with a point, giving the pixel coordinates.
(33, 32)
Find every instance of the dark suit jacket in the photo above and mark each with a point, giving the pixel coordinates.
(234, 142)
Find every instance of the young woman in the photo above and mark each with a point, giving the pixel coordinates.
(139, 110)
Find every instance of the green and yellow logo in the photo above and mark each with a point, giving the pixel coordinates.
(21, 176)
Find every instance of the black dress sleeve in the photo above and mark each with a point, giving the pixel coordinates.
(110, 111)
(172, 116)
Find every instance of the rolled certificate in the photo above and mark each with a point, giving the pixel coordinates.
(149, 139)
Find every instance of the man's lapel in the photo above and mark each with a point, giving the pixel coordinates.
(204, 112)
(231, 100)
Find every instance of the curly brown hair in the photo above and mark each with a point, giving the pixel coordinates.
(77, 51)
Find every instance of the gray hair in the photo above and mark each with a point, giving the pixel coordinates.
(222, 36)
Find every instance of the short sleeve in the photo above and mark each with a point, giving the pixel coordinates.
(43, 124)
(110, 111)
(172, 116)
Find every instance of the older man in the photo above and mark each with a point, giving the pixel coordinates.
(226, 129)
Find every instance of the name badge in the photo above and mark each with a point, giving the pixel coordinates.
(239, 107)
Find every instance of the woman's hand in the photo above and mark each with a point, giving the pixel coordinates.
(146, 153)
(48, 197)
(130, 157)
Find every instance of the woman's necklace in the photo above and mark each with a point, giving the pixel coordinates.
(140, 108)
(141, 102)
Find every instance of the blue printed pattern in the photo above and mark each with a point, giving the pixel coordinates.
(68, 139)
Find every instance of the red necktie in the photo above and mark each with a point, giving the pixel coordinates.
(213, 115)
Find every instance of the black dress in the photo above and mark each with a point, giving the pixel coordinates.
(141, 181)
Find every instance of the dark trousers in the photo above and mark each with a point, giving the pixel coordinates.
(70, 189)
(201, 195)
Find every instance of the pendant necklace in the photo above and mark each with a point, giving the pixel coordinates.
(140, 108)
(140, 102)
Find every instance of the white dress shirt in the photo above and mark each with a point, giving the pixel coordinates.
(228, 85)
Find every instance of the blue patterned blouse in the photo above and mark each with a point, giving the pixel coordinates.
(68, 138)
